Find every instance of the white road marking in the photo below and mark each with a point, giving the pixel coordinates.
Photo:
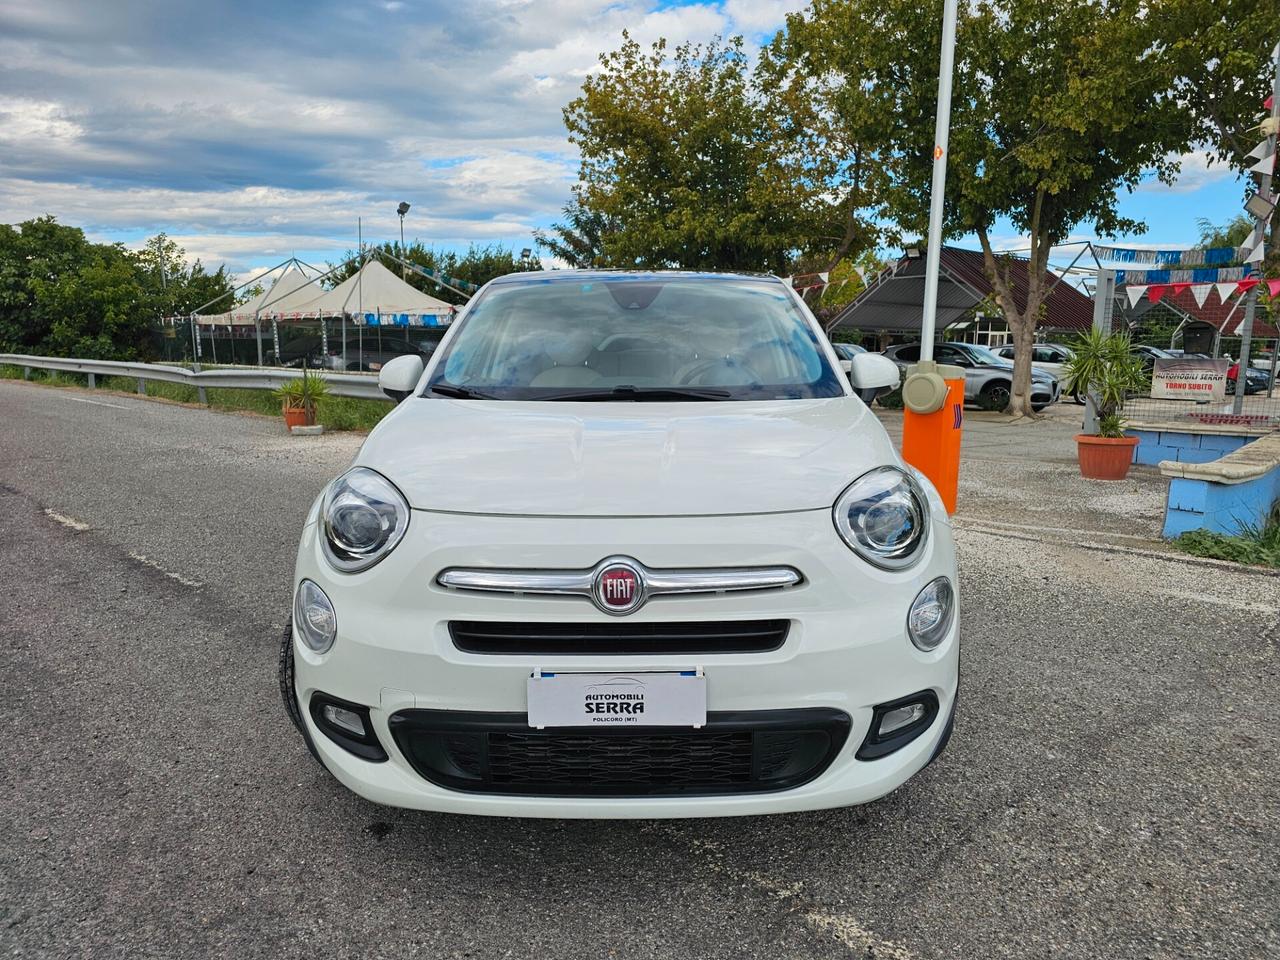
(842, 927)
(66, 521)
(147, 562)
(96, 403)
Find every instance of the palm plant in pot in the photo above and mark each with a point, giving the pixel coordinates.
(1105, 368)
(299, 398)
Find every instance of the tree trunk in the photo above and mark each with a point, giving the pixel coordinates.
(1024, 338)
(1022, 324)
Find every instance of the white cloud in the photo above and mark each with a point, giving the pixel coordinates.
(22, 119)
(761, 16)
(1197, 171)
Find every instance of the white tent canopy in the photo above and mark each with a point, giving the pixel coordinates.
(285, 296)
(375, 295)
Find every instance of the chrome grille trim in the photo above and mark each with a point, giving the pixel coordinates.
(657, 582)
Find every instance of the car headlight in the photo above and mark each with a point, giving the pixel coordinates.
(884, 517)
(364, 517)
(931, 612)
(313, 617)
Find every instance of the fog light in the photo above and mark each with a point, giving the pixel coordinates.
(314, 617)
(344, 719)
(348, 725)
(929, 619)
(900, 717)
(897, 723)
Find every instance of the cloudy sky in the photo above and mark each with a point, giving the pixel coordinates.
(250, 131)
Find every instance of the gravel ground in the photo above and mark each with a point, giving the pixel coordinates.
(1110, 790)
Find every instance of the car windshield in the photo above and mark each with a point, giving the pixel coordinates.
(983, 355)
(638, 337)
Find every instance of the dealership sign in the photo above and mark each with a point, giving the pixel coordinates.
(1189, 378)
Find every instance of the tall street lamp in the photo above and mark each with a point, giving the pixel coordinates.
(402, 210)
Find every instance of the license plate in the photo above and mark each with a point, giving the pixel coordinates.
(618, 699)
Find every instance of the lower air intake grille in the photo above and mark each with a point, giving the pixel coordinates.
(717, 636)
(746, 752)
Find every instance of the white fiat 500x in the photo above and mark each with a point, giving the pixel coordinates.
(629, 546)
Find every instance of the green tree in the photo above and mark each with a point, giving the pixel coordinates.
(1057, 108)
(1233, 233)
(685, 152)
(34, 255)
(579, 239)
(175, 286)
(478, 265)
(1225, 70)
(62, 295)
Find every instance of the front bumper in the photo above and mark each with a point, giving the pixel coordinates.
(846, 650)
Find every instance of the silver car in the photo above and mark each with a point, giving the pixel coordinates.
(988, 379)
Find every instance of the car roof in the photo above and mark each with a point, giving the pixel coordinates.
(530, 277)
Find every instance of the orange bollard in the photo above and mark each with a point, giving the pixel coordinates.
(931, 441)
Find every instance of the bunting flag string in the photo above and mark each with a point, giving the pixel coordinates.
(1197, 275)
(1155, 292)
(1195, 256)
(1265, 165)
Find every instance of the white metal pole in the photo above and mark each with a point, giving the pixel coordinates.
(942, 129)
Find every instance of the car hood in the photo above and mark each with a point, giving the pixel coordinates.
(1043, 375)
(625, 459)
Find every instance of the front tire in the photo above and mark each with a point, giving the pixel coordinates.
(288, 692)
(995, 396)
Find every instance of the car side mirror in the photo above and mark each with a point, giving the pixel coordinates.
(398, 377)
(872, 371)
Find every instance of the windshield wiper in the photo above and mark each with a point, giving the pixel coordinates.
(459, 393)
(641, 394)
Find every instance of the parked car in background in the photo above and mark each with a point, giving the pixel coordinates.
(1149, 355)
(988, 379)
(846, 352)
(366, 351)
(1052, 358)
(1256, 381)
(627, 547)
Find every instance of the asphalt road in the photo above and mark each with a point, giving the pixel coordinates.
(1111, 789)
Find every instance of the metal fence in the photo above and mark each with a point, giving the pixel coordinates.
(224, 378)
(1260, 411)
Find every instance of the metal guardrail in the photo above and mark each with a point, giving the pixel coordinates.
(242, 378)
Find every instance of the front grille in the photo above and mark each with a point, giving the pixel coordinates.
(720, 636)
(740, 752)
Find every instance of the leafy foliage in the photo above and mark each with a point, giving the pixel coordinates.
(64, 296)
(695, 165)
(1221, 54)
(578, 240)
(1057, 107)
(305, 390)
(1104, 364)
(1230, 234)
(478, 265)
(1259, 546)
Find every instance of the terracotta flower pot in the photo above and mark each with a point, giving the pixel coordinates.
(294, 417)
(1105, 458)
